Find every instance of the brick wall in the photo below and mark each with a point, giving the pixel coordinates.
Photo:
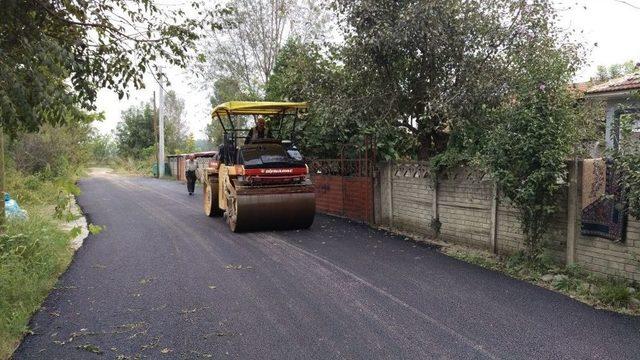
(464, 205)
(605, 256)
(610, 258)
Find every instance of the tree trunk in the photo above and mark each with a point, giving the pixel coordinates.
(432, 143)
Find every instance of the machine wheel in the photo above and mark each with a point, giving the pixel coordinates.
(232, 213)
(210, 200)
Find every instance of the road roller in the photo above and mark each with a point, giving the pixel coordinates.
(261, 184)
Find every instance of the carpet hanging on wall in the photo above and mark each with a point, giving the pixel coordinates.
(603, 212)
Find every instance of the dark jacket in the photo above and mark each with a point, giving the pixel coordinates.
(255, 134)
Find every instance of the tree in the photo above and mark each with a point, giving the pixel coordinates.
(225, 89)
(103, 148)
(53, 151)
(534, 135)
(134, 133)
(431, 67)
(176, 131)
(605, 73)
(190, 144)
(55, 55)
(246, 49)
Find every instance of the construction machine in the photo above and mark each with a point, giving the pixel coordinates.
(263, 184)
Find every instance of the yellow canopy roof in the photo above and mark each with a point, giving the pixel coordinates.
(258, 108)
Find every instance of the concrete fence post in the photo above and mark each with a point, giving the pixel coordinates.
(493, 225)
(572, 210)
(434, 200)
(386, 193)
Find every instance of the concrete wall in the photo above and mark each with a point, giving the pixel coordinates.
(473, 213)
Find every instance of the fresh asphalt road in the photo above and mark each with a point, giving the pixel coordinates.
(165, 281)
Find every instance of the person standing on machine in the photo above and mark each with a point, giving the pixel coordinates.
(191, 165)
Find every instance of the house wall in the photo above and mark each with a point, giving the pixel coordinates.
(473, 213)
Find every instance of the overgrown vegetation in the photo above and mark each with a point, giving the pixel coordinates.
(485, 82)
(33, 252)
(40, 174)
(608, 292)
(533, 135)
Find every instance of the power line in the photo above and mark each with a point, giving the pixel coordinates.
(635, 6)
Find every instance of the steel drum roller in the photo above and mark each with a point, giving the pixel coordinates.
(275, 211)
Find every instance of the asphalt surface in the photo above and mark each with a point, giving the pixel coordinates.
(163, 281)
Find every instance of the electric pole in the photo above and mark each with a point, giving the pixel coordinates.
(154, 119)
(161, 131)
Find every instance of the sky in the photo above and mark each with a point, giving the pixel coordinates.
(606, 27)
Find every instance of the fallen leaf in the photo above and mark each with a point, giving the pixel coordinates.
(90, 348)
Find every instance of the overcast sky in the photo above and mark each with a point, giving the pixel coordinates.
(610, 24)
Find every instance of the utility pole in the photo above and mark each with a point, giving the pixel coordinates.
(161, 131)
(154, 119)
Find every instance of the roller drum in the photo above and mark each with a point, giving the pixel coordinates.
(275, 211)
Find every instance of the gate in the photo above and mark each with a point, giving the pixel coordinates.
(344, 186)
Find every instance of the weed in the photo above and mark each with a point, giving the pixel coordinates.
(32, 255)
(95, 229)
(614, 293)
(573, 280)
(575, 270)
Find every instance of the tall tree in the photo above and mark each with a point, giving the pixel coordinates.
(431, 66)
(134, 133)
(247, 47)
(605, 73)
(176, 130)
(56, 54)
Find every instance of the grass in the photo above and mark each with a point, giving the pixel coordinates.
(33, 252)
(611, 293)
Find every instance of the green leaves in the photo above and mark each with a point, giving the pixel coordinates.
(531, 139)
(55, 55)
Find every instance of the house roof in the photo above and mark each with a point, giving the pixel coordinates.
(581, 87)
(623, 83)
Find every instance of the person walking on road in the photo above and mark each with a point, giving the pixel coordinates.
(191, 165)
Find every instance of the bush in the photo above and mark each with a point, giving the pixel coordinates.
(521, 264)
(33, 253)
(54, 151)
